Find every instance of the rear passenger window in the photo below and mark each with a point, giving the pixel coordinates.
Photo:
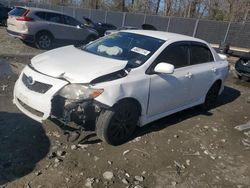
(70, 21)
(41, 15)
(176, 55)
(200, 54)
(54, 17)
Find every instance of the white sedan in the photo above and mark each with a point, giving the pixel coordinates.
(122, 80)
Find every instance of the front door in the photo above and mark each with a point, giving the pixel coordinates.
(170, 91)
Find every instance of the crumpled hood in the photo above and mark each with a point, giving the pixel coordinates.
(75, 65)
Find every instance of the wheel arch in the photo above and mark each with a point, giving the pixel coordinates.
(132, 100)
(44, 31)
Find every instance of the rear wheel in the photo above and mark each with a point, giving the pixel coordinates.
(212, 96)
(44, 40)
(116, 126)
(4, 22)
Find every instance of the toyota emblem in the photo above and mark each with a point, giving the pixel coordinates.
(30, 80)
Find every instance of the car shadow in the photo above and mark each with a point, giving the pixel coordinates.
(23, 143)
(228, 95)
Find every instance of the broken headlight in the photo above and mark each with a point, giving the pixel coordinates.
(79, 92)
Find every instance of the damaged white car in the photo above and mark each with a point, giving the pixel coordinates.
(123, 80)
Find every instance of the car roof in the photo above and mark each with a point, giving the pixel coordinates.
(40, 9)
(165, 35)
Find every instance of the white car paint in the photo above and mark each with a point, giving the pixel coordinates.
(158, 94)
(77, 66)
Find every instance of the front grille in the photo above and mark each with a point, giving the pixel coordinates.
(32, 110)
(35, 85)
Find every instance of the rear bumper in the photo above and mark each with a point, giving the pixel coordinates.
(22, 36)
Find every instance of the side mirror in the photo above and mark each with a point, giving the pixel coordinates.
(164, 68)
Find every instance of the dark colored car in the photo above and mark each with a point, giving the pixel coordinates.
(101, 28)
(4, 15)
(242, 66)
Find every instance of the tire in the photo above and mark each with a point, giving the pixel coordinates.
(212, 95)
(116, 126)
(44, 40)
(4, 22)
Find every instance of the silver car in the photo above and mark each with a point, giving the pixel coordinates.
(44, 27)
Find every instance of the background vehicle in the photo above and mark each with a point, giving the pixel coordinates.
(44, 27)
(101, 28)
(242, 67)
(110, 80)
(4, 15)
(143, 26)
(121, 28)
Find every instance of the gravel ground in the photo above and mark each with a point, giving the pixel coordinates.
(13, 46)
(187, 149)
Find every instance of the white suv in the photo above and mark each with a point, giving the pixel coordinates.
(45, 27)
(124, 79)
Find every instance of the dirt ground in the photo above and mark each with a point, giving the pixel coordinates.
(191, 148)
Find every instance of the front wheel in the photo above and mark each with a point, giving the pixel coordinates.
(212, 96)
(117, 125)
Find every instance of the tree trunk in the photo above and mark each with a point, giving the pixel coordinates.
(157, 6)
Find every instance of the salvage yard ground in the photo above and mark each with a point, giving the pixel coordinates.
(191, 148)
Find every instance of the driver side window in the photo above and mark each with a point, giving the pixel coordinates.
(175, 54)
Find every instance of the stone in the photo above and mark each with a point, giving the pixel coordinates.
(57, 160)
(125, 181)
(89, 182)
(82, 146)
(73, 147)
(125, 152)
(110, 162)
(174, 183)
(108, 175)
(96, 158)
(139, 178)
(52, 155)
(214, 129)
(137, 139)
(60, 153)
(138, 186)
(38, 173)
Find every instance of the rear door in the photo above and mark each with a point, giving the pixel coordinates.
(170, 91)
(203, 70)
(75, 29)
(56, 26)
(12, 22)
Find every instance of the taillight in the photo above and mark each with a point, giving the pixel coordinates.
(24, 17)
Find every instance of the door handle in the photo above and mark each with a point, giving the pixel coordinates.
(214, 69)
(188, 75)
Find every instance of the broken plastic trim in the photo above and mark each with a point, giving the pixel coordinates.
(109, 77)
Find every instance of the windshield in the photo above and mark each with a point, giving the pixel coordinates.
(134, 48)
